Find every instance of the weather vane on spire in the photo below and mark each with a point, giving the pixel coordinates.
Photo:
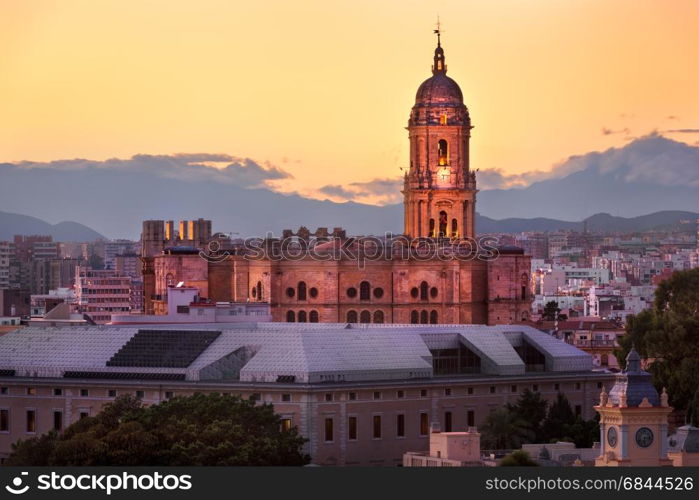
(438, 32)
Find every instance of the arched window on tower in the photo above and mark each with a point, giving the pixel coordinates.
(423, 317)
(301, 290)
(378, 317)
(414, 317)
(434, 318)
(313, 317)
(351, 316)
(365, 317)
(424, 289)
(259, 290)
(454, 228)
(443, 152)
(290, 317)
(364, 290)
(442, 224)
(302, 316)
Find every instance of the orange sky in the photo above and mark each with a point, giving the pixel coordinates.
(323, 88)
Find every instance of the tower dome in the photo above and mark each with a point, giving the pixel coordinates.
(439, 95)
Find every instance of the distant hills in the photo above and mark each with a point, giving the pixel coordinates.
(12, 224)
(667, 219)
(652, 175)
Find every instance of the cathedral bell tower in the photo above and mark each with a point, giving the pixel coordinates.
(439, 189)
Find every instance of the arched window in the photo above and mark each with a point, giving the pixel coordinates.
(434, 317)
(442, 224)
(414, 292)
(423, 317)
(313, 317)
(301, 290)
(525, 283)
(454, 228)
(432, 228)
(302, 316)
(290, 292)
(259, 291)
(434, 292)
(365, 317)
(424, 288)
(351, 316)
(290, 317)
(443, 152)
(364, 290)
(414, 317)
(378, 316)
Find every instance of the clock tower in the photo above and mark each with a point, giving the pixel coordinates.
(633, 420)
(439, 188)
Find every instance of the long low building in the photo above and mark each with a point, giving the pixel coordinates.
(361, 394)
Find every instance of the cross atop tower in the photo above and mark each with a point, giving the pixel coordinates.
(438, 32)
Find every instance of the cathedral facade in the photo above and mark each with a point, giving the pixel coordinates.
(403, 282)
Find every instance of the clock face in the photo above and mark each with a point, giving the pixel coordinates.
(444, 176)
(611, 436)
(644, 437)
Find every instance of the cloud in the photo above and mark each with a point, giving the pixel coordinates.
(608, 131)
(197, 167)
(683, 131)
(380, 191)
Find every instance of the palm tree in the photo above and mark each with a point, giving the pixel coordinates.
(504, 430)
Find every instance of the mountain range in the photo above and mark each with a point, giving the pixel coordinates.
(12, 224)
(651, 175)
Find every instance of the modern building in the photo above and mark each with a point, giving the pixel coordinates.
(361, 394)
(117, 247)
(186, 307)
(435, 272)
(101, 293)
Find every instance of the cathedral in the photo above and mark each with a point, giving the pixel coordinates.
(404, 284)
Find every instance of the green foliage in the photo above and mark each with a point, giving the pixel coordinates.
(668, 334)
(200, 430)
(518, 458)
(531, 410)
(528, 421)
(504, 429)
(551, 309)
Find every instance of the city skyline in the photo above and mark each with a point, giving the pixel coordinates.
(101, 81)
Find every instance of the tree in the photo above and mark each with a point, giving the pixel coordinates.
(518, 458)
(198, 430)
(504, 430)
(668, 336)
(531, 410)
(559, 416)
(551, 310)
(561, 424)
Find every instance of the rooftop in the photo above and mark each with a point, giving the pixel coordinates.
(287, 352)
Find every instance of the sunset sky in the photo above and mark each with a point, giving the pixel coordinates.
(322, 89)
